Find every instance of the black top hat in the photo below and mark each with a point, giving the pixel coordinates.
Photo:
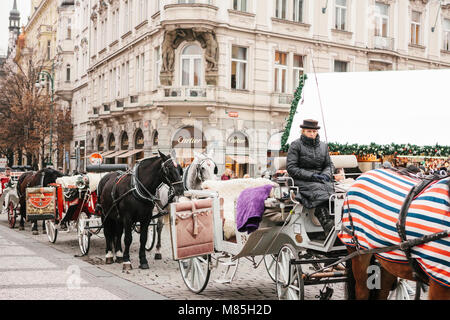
(310, 124)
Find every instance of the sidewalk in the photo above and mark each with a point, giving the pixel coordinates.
(33, 271)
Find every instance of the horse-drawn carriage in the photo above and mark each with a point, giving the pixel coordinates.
(289, 239)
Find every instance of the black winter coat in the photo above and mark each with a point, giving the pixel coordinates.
(306, 157)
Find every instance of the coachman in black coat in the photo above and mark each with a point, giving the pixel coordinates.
(309, 164)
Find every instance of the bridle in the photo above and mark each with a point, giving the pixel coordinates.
(199, 166)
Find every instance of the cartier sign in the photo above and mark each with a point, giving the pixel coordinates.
(189, 137)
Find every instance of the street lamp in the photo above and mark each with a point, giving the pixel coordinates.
(42, 84)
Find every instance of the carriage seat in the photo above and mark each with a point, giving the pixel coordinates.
(229, 191)
(194, 228)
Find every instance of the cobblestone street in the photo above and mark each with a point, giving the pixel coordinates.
(164, 277)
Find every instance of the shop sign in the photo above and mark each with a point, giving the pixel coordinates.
(233, 114)
(237, 140)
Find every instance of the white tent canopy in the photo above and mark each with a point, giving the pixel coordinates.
(382, 107)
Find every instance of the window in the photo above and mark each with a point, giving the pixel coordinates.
(117, 82)
(94, 37)
(126, 23)
(69, 29)
(239, 68)
(113, 35)
(280, 82)
(142, 72)
(298, 11)
(446, 35)
(143, 6)
(298, 69)
(340, 66)
(191, 66)
(341, 14)
(280, 9)
(136, 74)
(240, 5)
(415, 27)
(68, 73)
(48, 49)
(381, 20)
(157, 65)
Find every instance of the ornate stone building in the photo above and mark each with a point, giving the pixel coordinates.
(219, 75)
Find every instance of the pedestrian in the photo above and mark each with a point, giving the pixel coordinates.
(227, 174)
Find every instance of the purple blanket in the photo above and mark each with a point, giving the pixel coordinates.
(250, 208)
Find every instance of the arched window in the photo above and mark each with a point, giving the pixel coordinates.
(100, 143)
(191, 66)
(111, 142)
(139, 139)
(68, 73)
(124, 141)
(155, 138)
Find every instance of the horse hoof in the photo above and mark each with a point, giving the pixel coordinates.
(119, 260)
(35, 233)
(144, 266)
(158, 256)
(127, 266)
(44, 231)
(21, 228)
(109, 261)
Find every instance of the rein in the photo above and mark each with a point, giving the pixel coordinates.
(405, 245)
(140, 192)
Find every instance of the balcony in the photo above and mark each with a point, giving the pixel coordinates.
(201, 10)
(185, 92)
(383, 43)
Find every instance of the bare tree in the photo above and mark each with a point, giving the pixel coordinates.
(26, 113)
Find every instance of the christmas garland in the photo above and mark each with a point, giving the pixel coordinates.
(390, 149)
(294, 104)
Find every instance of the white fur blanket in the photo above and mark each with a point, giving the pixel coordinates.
(230, 190)
(94, 179)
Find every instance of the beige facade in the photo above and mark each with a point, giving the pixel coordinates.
(219, 75)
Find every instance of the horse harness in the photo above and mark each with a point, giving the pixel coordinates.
(140, 192)
(28, 184)
(198, 167)
(405, 245)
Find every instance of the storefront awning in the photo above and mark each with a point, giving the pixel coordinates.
(115, 154)
(130, 153)
(241, 159)
(106, 153)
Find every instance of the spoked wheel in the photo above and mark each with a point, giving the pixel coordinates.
(151, 236)
(11, 215)
(196, 272)
(270, 261)
(84, 236)
(52, 232)
(287, 276)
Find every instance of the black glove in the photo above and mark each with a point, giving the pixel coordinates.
(318, 177)
(325, 177)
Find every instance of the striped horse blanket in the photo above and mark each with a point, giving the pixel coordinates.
(375, 200)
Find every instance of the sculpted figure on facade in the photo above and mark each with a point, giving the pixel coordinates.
(168, 52)
(211, 50)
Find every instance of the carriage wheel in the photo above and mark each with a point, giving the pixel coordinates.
(50, 228)
(84, 235)
(11, 215)
(151, 236)
(195, 272)
(270, 261)
(287, 276)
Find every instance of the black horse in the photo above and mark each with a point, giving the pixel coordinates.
(41, 178)
(125, 198)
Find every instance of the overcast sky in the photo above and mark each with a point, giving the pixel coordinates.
(5, 7)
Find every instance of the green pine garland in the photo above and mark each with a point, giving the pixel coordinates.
(294, 104)
(391, 149)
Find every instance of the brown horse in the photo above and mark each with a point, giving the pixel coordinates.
(385, 208)
(41, 178)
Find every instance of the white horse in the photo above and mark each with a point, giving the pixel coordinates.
(201, 169)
